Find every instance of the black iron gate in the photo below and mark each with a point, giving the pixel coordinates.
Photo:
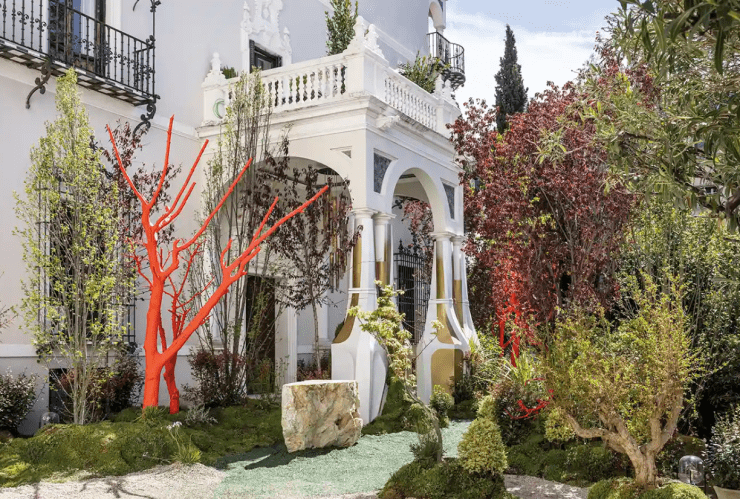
(415, 281)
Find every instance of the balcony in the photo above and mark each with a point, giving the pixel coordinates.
(450, 54)
(317, 85)
(51, 36)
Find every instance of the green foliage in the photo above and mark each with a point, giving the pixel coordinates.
(428, 447)
(632, 376)
(445, 480)
(395, 415)
(424, 71)
(17, 396)
(577, 464)
(617, 488)
(481, 449)
(625, 488)
(69, 230)
(507, 395)
(511, 96)
(199, 415)
(466, 409)
(557, 428)
(441, 402)
(340, 26)
(487, 408)
(724, 451)
(132, 443)
(684, 125)
(705, 254)
(485, 367)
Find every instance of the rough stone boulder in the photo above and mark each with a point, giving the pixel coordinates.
(321, 413)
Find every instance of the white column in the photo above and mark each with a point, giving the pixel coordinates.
(383, 247)
(440, 352)
(460, 289)
(286, 344)
(356, 355)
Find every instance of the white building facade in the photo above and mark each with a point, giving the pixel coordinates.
(145, 60)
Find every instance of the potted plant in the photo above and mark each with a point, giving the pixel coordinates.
(724, 455)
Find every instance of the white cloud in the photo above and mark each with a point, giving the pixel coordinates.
(544, 55)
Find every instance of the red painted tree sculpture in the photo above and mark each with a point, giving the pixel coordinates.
(168, 271)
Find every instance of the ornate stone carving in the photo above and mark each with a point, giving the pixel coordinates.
(380, 165)
(263, 28)
(450, 193)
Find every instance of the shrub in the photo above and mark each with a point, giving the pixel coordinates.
(446, 480)
(214, 387)
(428, 447)
(557, 428)
(17, 396)
(724, 451)
(625, 488)
(199, 415)
(424, 71)
(675, 491)
(589, 463)
(481, 449)
(340, 26)
(441, 402)
(487, 408)
(615, 488)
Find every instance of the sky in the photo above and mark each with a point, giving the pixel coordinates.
(554, 38)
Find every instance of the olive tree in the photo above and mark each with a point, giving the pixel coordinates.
(625, 383)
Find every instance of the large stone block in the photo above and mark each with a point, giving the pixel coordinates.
(321, 413)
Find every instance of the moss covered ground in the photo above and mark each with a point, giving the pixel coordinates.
(128, 444)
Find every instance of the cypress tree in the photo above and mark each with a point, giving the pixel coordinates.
(340, 26)
(511, 96)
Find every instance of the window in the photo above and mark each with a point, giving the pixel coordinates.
(76, 32)
(262, 59)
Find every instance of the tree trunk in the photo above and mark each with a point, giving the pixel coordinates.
(646, 473)
(169, 378)
(317, 351)
(152, 378)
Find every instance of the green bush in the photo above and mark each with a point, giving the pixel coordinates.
(615, 488)
(446, 480)
(428, 447)
(17, 396)
(675, 491)
(423, 71)
(481, 449)
(399, 413)
(557, 428)
(625, 488)
(724, 451)
(467, 409)
(441, 402)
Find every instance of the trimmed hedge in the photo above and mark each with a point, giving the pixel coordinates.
(625, 488)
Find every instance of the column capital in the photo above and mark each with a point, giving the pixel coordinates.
(364, 212)
(381, 217)
(458, 239)
(442, 235)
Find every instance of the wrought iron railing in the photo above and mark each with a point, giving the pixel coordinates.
(412, 278)
(52, 34)
(450, 54)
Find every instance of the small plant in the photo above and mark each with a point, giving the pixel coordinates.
(424, 71)
(17, 396)
(199, 415)
(724, 451)
(441, 402)
(152, 416)
(481, 449)
(229, 72)
(340, 26)
(428, 447)
(186, 453)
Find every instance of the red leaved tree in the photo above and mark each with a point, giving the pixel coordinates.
(544, 223)
(168, 270)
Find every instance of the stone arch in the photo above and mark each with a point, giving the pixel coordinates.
(433, 189)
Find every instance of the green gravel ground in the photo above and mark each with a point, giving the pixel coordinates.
(364, 467)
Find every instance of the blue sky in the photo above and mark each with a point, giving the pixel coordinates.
(553, 38)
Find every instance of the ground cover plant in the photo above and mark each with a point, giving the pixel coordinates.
(132, 442)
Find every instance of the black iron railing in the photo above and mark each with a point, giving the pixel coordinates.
(450, 54)
(52, 34)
